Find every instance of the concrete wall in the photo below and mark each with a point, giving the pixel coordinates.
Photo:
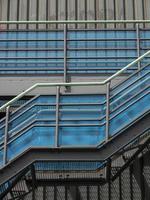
(73, 10)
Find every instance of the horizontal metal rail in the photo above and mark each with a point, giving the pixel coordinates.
(83, 57)
(71, 49)
(78, 22)
(100, 124)
(71, 40)
(83, 119)
(74, 104)
(74, 83)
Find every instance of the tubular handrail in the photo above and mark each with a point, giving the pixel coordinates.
(77, 22)
(74, 83)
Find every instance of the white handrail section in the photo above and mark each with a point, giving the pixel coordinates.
(78, 22)
(74, 83)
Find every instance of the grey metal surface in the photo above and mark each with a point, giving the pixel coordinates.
(74, 10)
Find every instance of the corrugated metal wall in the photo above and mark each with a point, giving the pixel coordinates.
(73, 10)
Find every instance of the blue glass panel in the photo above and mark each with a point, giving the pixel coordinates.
(81, 136)
(35, 137)
(129, 114)
(54, 166)
(112, 44)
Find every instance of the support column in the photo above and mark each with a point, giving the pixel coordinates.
(65, 53)
(138, 44)
(57, 117)
(138, 175)
(107, 110)
(131, 182)
(75, 193)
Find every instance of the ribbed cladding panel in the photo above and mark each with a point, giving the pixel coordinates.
(42, 15)
(73, 10)
(119, 12)
(146, 10)
(22, 12)
(32, 12)
(62, 11)
(4, 6)
(52, 12)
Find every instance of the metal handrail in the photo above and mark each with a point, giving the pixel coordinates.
(16, 133)
(74, 83)
(77, 22)
(99, 119)
(107, 82)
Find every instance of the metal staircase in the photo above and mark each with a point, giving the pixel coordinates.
(75, 145)
(21, 146)
(69, 120)
(70, 184)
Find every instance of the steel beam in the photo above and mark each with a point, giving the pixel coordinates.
(70, 183)
(141, 148)
(14, 182)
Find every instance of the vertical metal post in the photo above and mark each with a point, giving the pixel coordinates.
(55, 192)
(138, 44)
(6, 135)
(33, 194)
(142, 183)
(28, 13)
(57, 117)
(107, 109)
(34, 182)
(8, 12)
(108, 178)
(44, 192)
(88, 193)
(18, 9)
(47, 5)
(120, 188)
(131, 182)
(66, 192)
(65, 53)
(37, 13)
(99, 192)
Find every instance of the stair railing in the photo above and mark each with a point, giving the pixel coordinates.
(65, 24)
(107, 82)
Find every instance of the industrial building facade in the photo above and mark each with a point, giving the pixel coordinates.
(74, 99)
